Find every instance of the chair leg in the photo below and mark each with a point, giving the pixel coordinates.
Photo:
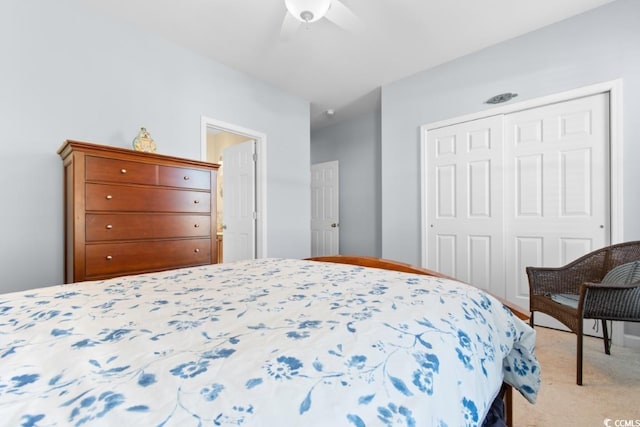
(605, 334)
(531, 320)
(579, 358)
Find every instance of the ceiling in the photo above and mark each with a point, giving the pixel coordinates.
(328, 66)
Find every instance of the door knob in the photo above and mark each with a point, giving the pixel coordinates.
(334, 225)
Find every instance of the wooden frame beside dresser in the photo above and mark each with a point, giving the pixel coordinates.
(130, 212)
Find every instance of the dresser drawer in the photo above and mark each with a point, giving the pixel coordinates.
(105, 197)
(122, 171)
(171, 176)
(101, 227)
(124, 258)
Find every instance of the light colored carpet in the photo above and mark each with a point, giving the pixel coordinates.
(610, 390)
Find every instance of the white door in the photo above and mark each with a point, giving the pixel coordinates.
(537, 195)
(325, 212)
(464, 211)
(238, 195)
(557, 188)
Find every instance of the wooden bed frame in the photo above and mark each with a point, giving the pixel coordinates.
(385, 264)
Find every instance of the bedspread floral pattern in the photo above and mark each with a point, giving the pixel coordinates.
(260, 343)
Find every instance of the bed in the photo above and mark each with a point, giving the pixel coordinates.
(270, 342)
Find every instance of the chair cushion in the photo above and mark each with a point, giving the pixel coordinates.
(624, 273)
(566, 299)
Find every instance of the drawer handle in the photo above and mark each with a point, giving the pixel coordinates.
(196, 201)
(186, 178)
(196, 250)
(109, 197)
(108, 226)
(196, 225)
(123, 171)
(108, 257)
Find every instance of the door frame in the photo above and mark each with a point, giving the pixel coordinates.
(261, 172)
(616, 191)
(613, 87)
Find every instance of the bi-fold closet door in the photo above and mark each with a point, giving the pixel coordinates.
(528, 188)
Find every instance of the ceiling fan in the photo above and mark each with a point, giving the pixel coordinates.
(305, 12)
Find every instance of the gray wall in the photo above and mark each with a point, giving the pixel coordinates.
(600, 45)
(356, 146)
(67, 73)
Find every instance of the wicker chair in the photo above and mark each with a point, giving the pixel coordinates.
(582, 280)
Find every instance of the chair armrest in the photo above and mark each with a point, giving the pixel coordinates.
(591, 285)
(610, 301)
(567, 279)
(561, 280)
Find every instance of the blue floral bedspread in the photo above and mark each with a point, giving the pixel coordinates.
(270, 342)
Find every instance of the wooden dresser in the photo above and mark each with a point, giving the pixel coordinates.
(129, 212)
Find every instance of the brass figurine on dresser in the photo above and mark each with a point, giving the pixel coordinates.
(130, 212)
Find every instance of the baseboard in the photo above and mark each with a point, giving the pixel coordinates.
(631, 341)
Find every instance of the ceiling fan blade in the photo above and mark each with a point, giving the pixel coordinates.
(344, 18)
(289, 26)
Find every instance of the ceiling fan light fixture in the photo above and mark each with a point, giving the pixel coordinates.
(308, 11)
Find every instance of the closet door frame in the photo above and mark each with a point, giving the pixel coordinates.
(613, 88)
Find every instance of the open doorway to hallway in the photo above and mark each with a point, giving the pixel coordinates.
(240, 193)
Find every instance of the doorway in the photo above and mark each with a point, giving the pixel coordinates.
(325, 209)
(243, 236)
